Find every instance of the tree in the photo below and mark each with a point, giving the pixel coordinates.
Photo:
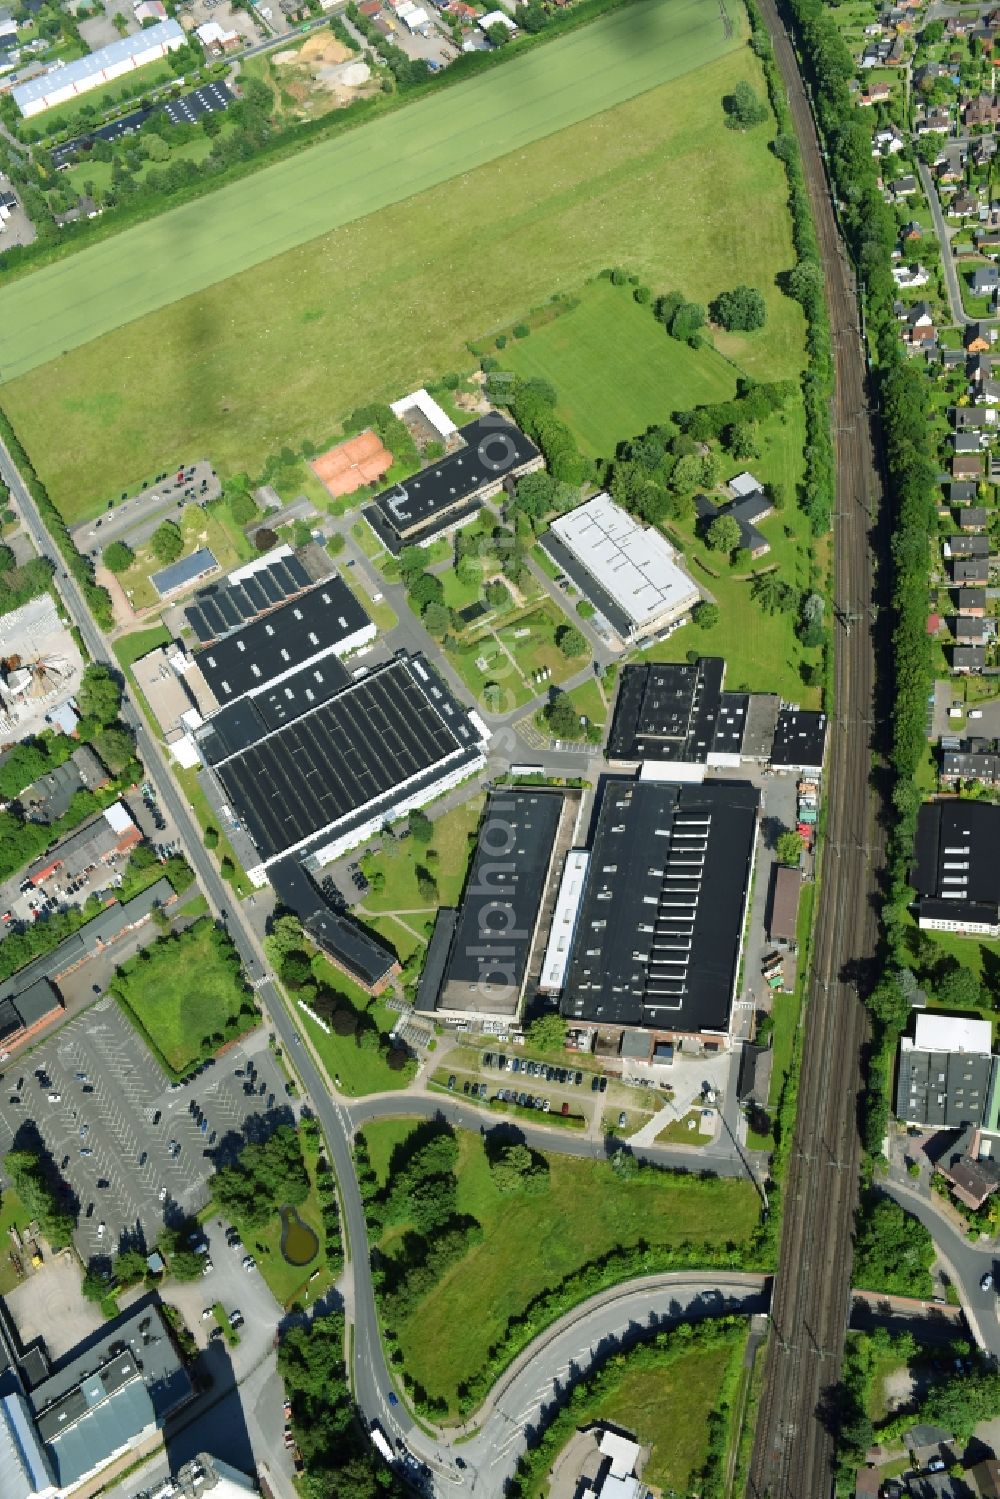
(426, 885)
(571, 641)
(687, 320)
(548, 1033)
(118, 557)
(687, 473)
(499, 36)
(811, 631)
(469, 572)
(788, 849)
(741, 310)
(242, 505)
(437, 619)
(421, 827)
(706, 614)
(723, 534)
(497, 594)
(773, 594)
(167, 542)
(425, 589)
(295, 969)
(741, 441)
(743, 108)
(959, 988)
(515, 1168)
(562, 718)
(99, 695)
(116, 748)
(265, 539)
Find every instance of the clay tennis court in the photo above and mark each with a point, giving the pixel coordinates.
(359, 460)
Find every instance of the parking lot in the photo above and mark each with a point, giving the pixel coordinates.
(125, 1140)
(237, 1290)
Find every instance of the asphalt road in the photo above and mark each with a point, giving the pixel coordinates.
(944, 240)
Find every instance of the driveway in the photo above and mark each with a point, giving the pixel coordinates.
(49, 1304)
(236, 1289)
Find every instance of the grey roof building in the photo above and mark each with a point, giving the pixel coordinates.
(245, 595)
(945, 1071)
(956, 874)
(182, 574)
(361, 953)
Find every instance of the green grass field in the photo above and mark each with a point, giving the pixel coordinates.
(667, 1405)
(616, 369)
(619, 187)
(398, 863)
(181, 995)
(531, 1243)
(336, 181)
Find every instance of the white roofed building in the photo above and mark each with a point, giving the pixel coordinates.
(629, 572)
(68, 80)
(946, 1072)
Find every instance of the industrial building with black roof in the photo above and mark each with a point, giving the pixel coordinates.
(246, 594)
(454, 487)
(335, 773)
(486, 966)
(956, 873)
(799, 741)
(679, 712)
(660, 929)
(322, 623)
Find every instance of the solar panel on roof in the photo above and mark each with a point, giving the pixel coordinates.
(214, 618)
(254, 592)
(281, 577)
(298, 572)
(199, 625)
(228, 610)
(243, 602)
(270, 586)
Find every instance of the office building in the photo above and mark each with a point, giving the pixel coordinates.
(945, 1072)
(956, 873)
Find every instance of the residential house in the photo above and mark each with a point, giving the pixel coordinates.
(971, 1172)
(967, 441)
(878, 93)
(149, 10)
(984, 148)
(951, 359)
(967, 546)
(888, 140)
(985, 1478)
(964, 205)
(970, 572)
(973, 518)
(984, 281)
(977, 338)
(968, 659)
(909, 276)
(989, 392)
(973, 418)
(919, 325)
(974, 760)
(874, 55)
(927, 72)
(971, 601)
(969, 630)
(979, 368)
(934, 122)
(904, 187)
(746, 509)
(985, 110)
(967, 466)
(896, 55)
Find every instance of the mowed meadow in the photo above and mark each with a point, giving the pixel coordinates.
(283, 351)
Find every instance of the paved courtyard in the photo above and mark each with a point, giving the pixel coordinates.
(49, 1304)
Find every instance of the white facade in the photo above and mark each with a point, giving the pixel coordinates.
(70, 80)
(564, 919)
(963, 928)
(429, 409)
(496, 18)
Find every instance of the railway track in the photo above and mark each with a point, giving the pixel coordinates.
(793, 1446)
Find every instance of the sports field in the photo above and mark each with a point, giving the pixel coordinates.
(616, 369)
(282, 353)
(431, 141)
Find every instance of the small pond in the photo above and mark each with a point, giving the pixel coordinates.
(299, 1243)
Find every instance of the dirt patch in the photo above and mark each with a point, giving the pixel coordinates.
(317, 49)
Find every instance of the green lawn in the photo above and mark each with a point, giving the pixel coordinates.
(587, 699)
(13, 1214)
(616, 370)
(129, 648)
(531, 640)
(532, 1243)
(360, 1072)
(206, 818)
(357, 173)
(553, 213)
(398, 863)
(666, 1403)
(184, 997)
